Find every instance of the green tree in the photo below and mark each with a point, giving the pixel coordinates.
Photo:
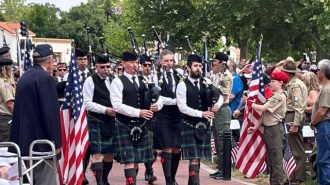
(43, 20)
(14, 10)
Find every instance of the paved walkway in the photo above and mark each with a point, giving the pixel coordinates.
(116, 176)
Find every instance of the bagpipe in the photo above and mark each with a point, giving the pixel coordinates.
(104, 52)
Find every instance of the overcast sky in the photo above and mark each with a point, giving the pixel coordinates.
(62, 4)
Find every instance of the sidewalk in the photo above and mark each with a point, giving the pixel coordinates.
(116, 176)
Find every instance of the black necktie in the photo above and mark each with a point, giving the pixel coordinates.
(135, 84)
(169, 80)
(196, 84)
(83, 76)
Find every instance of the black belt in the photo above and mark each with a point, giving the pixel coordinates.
(289, 112)
(5, 116)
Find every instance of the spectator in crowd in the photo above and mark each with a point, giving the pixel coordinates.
(237, 87)
(296, 104)
(313, 88)
(7, 97)
(62, 71)
(36, 114)
(5, 53)
(320, 121)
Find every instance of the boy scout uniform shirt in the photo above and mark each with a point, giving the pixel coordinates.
(224, 82)
(323, 101)
(297, 99)
(276, 109)
(7, 93)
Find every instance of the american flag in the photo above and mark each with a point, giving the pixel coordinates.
(27, 57)
(251, 155)
(75, 139)
(289, 164)
(234, 151)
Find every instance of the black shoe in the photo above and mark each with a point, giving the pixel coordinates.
(293, 182)
(150, 178)
(214, 174)
(174, 182)
(219, 176)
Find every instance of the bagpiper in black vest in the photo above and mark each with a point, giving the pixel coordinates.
(196, 99)
(132, 97)
(101, 96)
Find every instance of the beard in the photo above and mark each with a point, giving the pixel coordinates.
(195, 75)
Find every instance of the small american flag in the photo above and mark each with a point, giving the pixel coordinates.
(213, 148)
(75, 139)
(234, 151)
(289, 164)
(251, 155)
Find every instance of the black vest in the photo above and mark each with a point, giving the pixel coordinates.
(196, 99)
(166, 91)
(101, 96)
(131, 97)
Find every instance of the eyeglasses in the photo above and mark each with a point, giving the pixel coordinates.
(146, 65)
(120, 68)
(61, 69)
(102, 67)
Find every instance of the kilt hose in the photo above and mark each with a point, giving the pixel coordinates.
(99, 142)
(127, 153)
(193, 149)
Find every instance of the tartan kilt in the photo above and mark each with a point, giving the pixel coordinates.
(193, 149)
(127, 153)
(98, 142)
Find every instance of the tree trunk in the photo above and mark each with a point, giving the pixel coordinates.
(244, 48)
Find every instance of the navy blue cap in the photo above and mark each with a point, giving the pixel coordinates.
(4, 50)
(129, 56)
(42, 50)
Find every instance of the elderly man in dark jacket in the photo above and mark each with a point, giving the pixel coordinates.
(36, 113)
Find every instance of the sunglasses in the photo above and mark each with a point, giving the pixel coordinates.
(61, 69)
(120, 68)
(102, 67)
(146, 65)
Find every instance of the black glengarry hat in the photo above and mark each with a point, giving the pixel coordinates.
(102, 59)
(129, 55)
(80, 52)
(193, 58)
(221, 56)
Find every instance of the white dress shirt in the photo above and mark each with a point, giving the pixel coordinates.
(88, 93)
(181, 95)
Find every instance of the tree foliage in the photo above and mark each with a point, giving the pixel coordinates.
(288, 27)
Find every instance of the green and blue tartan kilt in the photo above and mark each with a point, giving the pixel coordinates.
(127, 153)
(100, 143)
(193, 149)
